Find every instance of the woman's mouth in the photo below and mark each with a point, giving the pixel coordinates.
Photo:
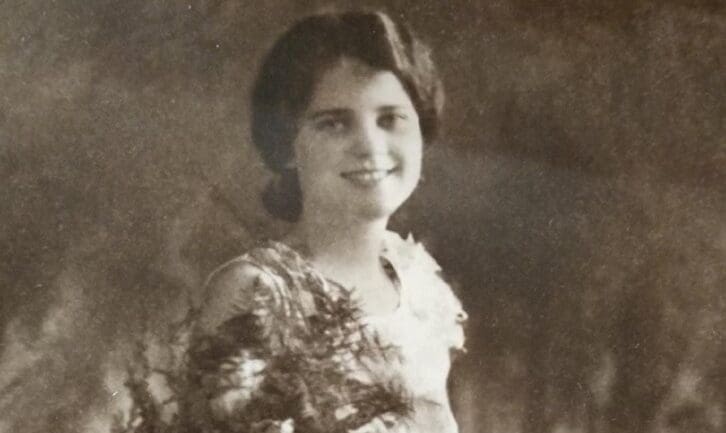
(367, 177)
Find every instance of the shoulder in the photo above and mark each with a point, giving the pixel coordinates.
(235, 287)
(269, 278)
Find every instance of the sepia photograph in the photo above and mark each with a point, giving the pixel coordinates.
(401, 216)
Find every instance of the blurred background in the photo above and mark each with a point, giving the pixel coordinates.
(577, 199)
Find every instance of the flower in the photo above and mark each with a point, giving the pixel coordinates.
(287, 426)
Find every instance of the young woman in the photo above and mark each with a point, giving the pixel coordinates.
(342, 325)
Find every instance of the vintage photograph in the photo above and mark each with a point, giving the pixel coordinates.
(226, 216)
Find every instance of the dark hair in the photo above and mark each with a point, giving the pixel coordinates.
(296, 62)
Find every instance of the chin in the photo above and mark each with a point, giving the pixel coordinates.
(379, 209)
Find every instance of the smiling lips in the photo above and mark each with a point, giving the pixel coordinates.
(368, 176)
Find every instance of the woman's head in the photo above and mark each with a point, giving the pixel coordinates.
(303, 56)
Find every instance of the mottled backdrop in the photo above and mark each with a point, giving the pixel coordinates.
(577, 199)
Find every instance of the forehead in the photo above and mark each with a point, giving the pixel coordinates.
(352, 84)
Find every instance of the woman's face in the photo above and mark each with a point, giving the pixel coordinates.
(358, 149)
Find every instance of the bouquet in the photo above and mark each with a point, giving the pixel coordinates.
(271, 370)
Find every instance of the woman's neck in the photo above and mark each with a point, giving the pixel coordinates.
(342, 249)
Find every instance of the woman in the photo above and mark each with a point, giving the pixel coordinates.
(343, 325)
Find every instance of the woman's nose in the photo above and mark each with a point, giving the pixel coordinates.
(370, 139)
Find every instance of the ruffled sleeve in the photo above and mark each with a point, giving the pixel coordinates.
(431, 297)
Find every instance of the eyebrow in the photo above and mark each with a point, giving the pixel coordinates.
(335, 112)
(329, 112)
(392, 107)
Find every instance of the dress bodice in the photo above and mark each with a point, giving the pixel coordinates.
(425, 329)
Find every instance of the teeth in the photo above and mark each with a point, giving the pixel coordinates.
(373, 165)
(371, 175)
(368, 176)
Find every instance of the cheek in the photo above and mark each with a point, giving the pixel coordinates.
(412, 156)
(318, 167)
(310, 154)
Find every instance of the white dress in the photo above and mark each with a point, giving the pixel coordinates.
(425, 328)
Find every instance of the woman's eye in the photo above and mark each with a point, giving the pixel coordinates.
(331, 125)
(392, 120)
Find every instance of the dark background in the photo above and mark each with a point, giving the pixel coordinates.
(577, 199)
